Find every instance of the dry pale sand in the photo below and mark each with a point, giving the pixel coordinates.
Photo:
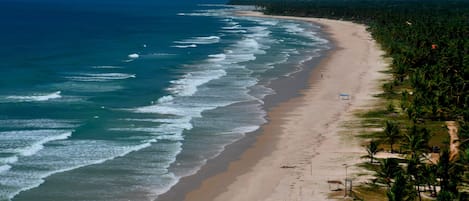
(304, 145)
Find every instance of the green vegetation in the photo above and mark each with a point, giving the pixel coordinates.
(428, 42)
(372, 149)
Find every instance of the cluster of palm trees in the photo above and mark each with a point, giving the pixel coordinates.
(405, 178)
(428, 42)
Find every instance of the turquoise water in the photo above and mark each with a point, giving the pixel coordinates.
(117, 100)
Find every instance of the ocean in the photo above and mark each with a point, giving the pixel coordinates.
(118, 100)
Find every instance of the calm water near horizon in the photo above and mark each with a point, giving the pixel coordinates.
(117, 100)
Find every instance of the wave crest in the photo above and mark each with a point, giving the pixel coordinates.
(38, 97)
(204, 40)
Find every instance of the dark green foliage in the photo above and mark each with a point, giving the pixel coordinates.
(416, 141)
(390, 108)
(401, 190)
(444, 196)
(391, 132)
(372, 149)
(429, 177)
(450, 174)
(389, 168)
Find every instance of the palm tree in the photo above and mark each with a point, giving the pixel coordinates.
(391, 131)
(445, 196)
(416, 141)
(388, 169)
(444, 166)
(400, 70)
(372, 149)
(414, 169)
(429, 175)
(401, 190)
(449, 173)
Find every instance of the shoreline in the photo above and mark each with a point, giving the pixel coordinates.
(292, 156)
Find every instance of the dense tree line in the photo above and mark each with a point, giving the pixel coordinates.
(428, 42)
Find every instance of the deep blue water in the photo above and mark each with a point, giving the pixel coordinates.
(117, 100)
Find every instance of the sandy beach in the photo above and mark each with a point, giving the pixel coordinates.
(304, 145)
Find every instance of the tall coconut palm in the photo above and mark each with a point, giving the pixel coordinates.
(416, 141)
(372, 149)
(401, 190)
(388, 169)
(429, 175)
(414, 169)
(391, 132)
(449, 173)
(444, 166)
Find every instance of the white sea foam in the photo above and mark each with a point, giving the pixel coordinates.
(170, 137)
(107, 67)
(165, 99)
(29, 142)
(232, 27)
(171, 129)
(300, 31)
(262, 21)
(4, 168)
(140, 120)
(37, 123)
(157, 55)
(260, 92)
(204, 14)
(243, 130)
(200, 40)
(100, 77)
(9, 160)
(35, 147)
(291, 51)
(134, 56)
(161, 54)
(90, 153)
(176, 120)
(259, 32)
(216, 57)
(248, 45)
(216, 5)
(160, 109)
(187, 85)
(185, 46)
(81, 86)
(35, 97)
(256, 29)
(242, 57)
(245, 50)
(320, 41)
(293, 28)
(235, 31)
(173, 126)
(269, 23)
